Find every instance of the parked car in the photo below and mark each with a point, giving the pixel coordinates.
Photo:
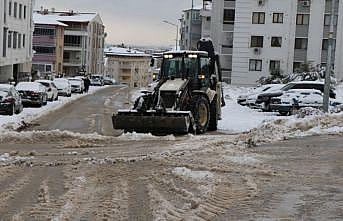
(265, 98)
(250, 99)
(51, 89)
(292, 100)
(97, 80)
(77, 85)
(109, 81)
(32, 93)
(10, 100)
(63, 86)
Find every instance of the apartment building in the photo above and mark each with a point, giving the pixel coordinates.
(258, 37)
(16, 28)
(48, 45)
(129, 66)
(191, 28)
(84, 39)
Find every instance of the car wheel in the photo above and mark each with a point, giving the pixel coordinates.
(12, 110)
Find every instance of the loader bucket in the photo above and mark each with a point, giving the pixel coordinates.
(153, 122)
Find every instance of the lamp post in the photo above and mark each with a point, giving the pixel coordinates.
(329, 60)
(177, 31)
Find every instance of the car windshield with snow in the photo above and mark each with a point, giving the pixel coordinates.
(32, 93)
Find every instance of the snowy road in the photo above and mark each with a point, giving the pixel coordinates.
(60, 169)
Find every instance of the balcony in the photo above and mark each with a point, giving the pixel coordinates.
(72, 62)
(44, 40)
(49, 58)
(76, 32)
(72, 46)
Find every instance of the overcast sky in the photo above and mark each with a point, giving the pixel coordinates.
(131, 21)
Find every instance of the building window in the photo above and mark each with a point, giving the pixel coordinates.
(255, 65)
(296, 66)
(327, 20)
(15, 9)
(256, 42)
(15, 40)
(277, 17)
(20, 10)
(4, 43)
(325, 44)
(301, 43)
(24, 11)
(47, 50)
(274, 65)
(19, 40)
(303, 19)
(44, 32)
(276, 42)
(9, 39)
(5, 11)
(258, 17)
(229, 16)
(24, 39)
(10, 8)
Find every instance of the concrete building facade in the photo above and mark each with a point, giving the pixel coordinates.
(16, 27)
(257, 37)
(48, 46)
(128, 66)
(191, 28)
(84, 39)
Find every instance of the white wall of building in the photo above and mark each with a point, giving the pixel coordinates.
(244, 29)
(339, 45)
(22, 25)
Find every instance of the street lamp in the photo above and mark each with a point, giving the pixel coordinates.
(177, 31)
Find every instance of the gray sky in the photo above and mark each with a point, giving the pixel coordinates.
(130, 21)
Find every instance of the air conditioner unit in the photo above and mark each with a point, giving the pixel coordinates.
(306, 3)
(261, 2)
(257, 51)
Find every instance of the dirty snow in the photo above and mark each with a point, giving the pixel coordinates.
(6, 159)
(197, 176)
(29, 114)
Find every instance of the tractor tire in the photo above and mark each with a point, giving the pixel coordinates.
(213, 124)
(201, 113)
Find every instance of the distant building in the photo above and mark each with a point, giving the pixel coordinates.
(16, 28)
(257, 37)
(84, 39)
(190, 28)
(128, 66)
(48, 45)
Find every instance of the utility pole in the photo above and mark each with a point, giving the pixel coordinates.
(190, 27)
(177, 32)
(329, 60)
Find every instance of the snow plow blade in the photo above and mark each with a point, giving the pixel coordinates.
(177, 122)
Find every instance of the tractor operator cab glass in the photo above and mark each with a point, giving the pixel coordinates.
(179, 66)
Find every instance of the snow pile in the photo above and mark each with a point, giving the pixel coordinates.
(137, 137)
(237, 118)
(294, 127)
(197, 176)
(242, 160)
(6, 159)
(51, 136)
(29, 114)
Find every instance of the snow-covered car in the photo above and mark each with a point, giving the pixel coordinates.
(51, 89)
(77, 85)
(250, 99)
(97, 80)
(109, 81)
(10, 100)
(63, 86)
(265, 98)
(32, 93)
(292, 100)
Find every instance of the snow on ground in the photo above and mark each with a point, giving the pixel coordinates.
(6, 159)
(197, 176)
(29, 114)
(237, 118)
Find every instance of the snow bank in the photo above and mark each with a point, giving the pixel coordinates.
(6, 159)
(197, 176)
(137, 137)
(29, 114)
(295, 127)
